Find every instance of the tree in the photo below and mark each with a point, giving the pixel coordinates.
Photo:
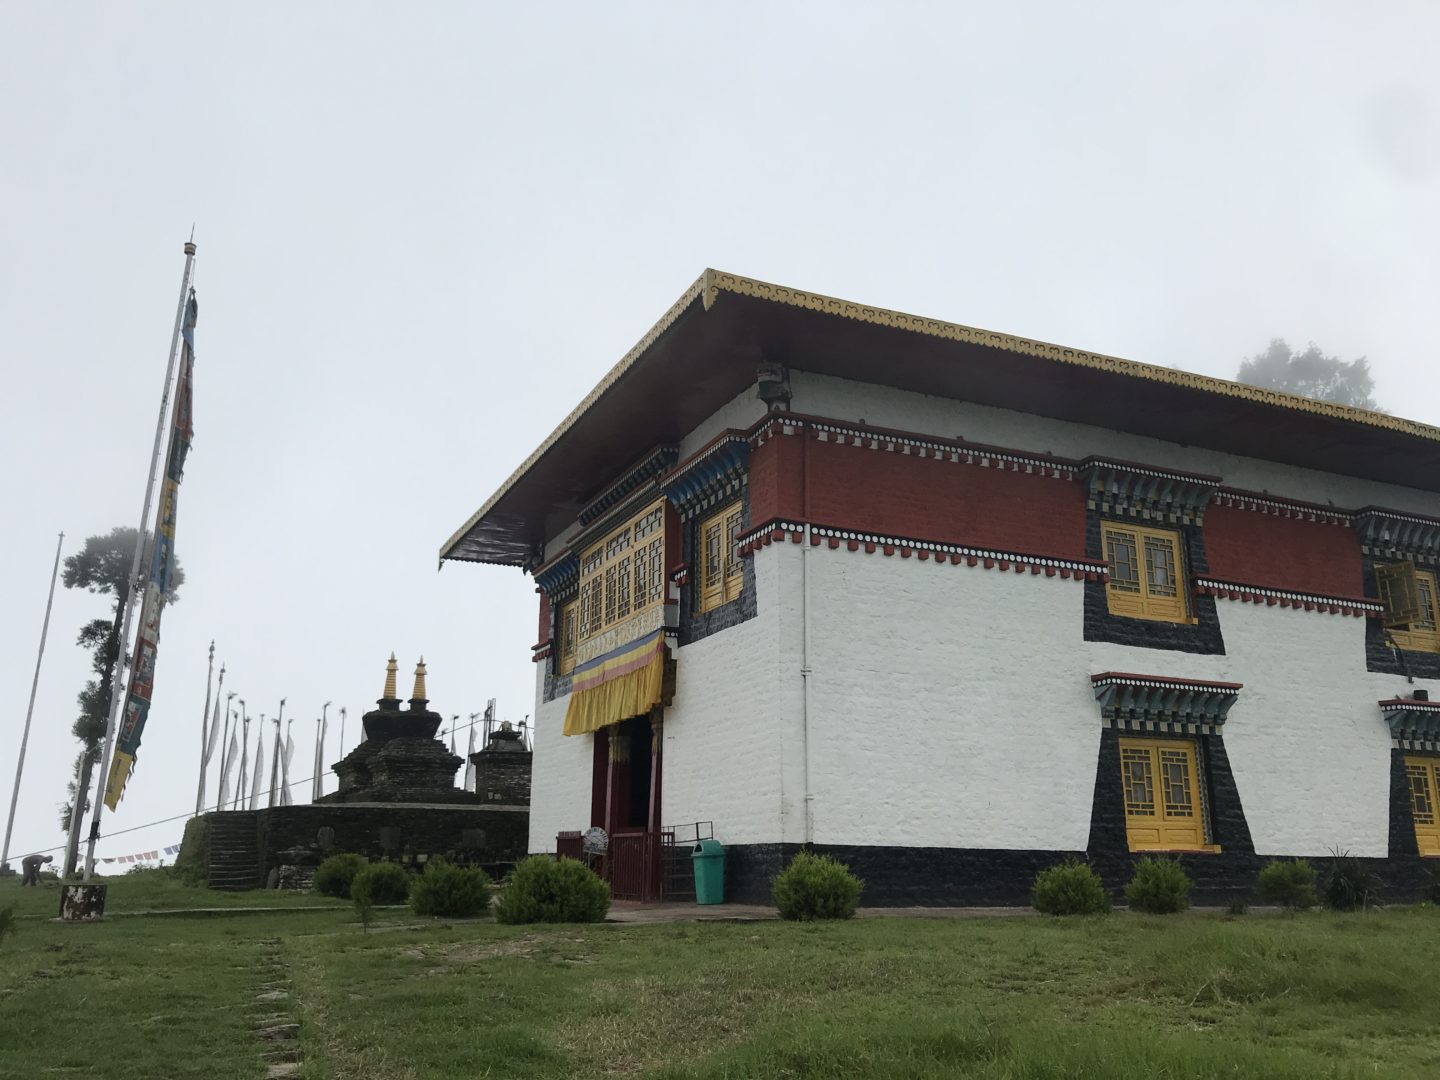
(1310, 374)
(101, 566)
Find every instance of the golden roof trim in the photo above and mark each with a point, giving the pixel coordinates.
(716, 281)
(710, 284)
(626, 361)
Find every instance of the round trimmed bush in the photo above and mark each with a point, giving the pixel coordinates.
(334, 876)
(450, 891)
(546, 890)
(1159, 887)
(816, 887)
(381, 883)
(1070, 888)
(1289, 883)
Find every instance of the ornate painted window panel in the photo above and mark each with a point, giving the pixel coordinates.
(1423, 774)
(622, 584)
(1410, 611)
(1147, 576)
(721, 576)
(567, 626)
(1161, 780)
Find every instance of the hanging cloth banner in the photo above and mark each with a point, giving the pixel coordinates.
(159, 583)
(623, 683)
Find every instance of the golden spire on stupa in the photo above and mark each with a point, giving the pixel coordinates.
(391, 669)
(418, 694)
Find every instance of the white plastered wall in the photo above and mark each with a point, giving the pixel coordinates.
(560, 772)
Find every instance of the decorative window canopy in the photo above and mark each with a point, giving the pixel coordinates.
(1154, 703)
(628, 681)
(1415, 725)
(1138, 491)
(560, 577)
(646, 469)
(1387, 534)
(711, 477)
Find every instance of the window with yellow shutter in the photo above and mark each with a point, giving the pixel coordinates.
(1147, 578)
(1410, 612)
(1423, 773)
(1161, 782)
(721, 577)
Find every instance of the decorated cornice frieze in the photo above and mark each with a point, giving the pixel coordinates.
(921, 550)
(646, 469)
(1155, 703)
(1260, 594)
(1289, 508)
(713, 476)
(1129, 490)
(1390, 534)
(1414, 725)
(913, 445)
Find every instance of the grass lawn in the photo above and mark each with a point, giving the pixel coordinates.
(1194, 996)
(151, 890)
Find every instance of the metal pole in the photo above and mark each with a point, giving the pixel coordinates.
(30, 709)
(117, 682)
(204, 731)
(241, 791)
(225, 743)
(320, 752)
(275, 758)
(341, 748)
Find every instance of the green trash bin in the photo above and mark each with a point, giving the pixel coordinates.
(709, 860)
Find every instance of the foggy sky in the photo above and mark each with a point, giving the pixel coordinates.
(425, 231)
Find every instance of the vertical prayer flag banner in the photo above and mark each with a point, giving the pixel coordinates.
(159, 582)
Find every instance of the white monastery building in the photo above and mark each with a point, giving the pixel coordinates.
(952, 606)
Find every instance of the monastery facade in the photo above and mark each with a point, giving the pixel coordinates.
(953, 606)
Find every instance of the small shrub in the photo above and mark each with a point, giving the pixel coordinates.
(1237, 907)
(1159, 887)
(1351, 886)
(816, 887)
(450, 891)
(7, 923)
(334, 876)
(546, 890)
(381, 883)
(364, 908)
(1071, 888)
(1289, 883)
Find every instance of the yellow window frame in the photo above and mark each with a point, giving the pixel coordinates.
(1409, 596)
(1423, 775)
(566, 627)
(1160, 781)
(721, 575)
(1147, 578)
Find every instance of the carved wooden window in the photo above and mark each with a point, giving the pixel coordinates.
(1409, 598)
(1161, 783)
(1147, 577)
(623, 574)
(1423, 773)
(721, 577)
(566, 627)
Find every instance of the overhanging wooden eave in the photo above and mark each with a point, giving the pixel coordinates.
(702, 352)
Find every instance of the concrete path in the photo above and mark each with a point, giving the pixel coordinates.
(627, 911)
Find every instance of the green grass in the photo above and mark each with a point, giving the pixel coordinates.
(1189, 997)
(152, 890)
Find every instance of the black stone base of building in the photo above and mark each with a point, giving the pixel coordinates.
(303, 836)
(1000, 877)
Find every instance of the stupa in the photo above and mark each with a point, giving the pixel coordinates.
(400, 759)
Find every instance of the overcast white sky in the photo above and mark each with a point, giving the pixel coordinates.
(425, 231)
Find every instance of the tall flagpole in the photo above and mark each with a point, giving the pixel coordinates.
(204, 720)
(117, 681)
(30, 709)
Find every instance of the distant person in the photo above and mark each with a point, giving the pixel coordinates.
(31, 865)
